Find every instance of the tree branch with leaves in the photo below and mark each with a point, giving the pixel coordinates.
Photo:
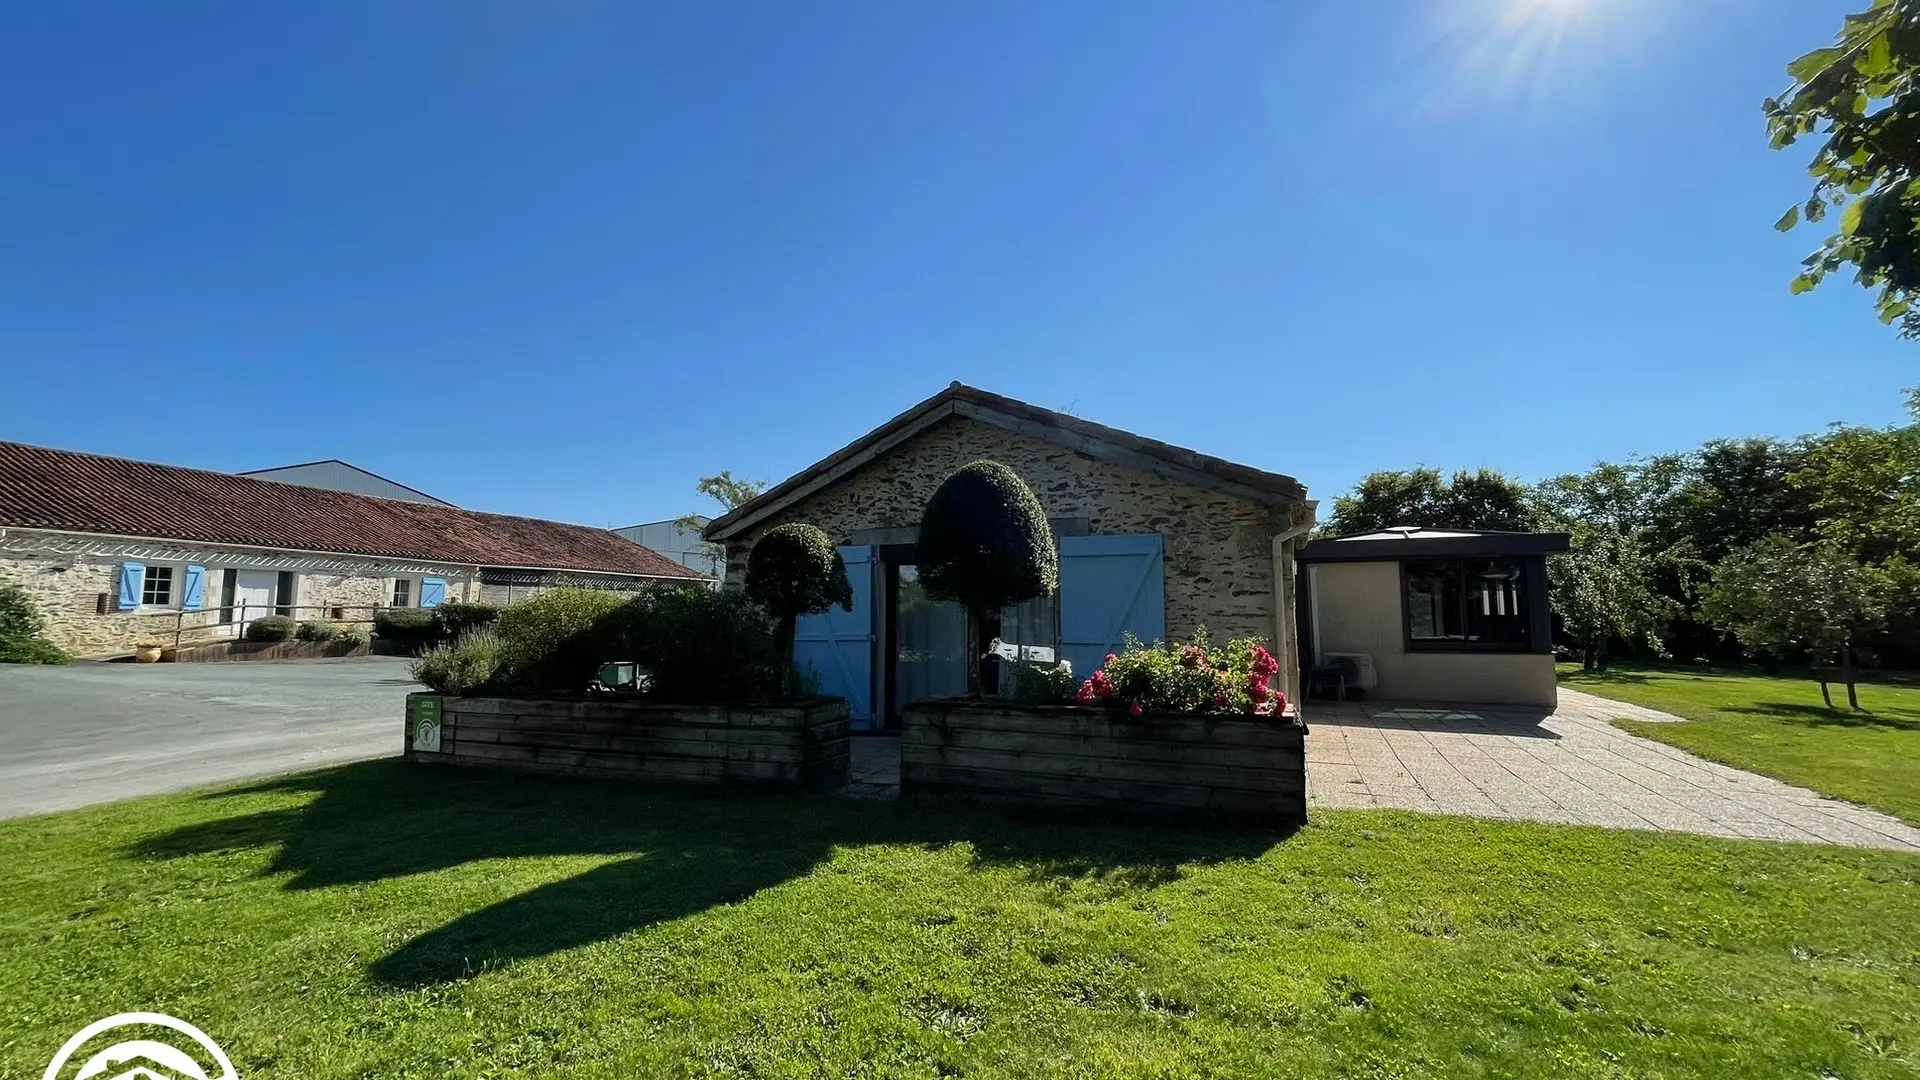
(1863, 94)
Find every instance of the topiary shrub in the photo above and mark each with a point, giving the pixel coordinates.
(23, 636)
(269, 628)
(468, 666)
(316, 630)
(985, 544)
(456, 620)
(796, 570)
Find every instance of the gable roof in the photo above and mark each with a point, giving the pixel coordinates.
(1084, 436)
(65, 491)
(315, 474)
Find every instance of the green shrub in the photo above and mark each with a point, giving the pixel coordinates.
(317, 630)
(353, 637)
(23, 636)
(1039, 684)
(795, 570)
(456, 620)
(406, 626)
(703, 645)
(270, 628)
(556, 641)
(468, 666)
(985, 544)
(696, 644)
(1168, 677)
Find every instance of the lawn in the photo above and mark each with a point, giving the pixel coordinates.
(381, 920)
(1777, 725)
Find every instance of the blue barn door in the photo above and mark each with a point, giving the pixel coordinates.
(1109, 586)
(839, 644)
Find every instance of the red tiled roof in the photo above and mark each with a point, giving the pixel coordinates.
(62, 490)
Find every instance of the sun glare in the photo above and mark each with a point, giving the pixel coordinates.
(1480, 53)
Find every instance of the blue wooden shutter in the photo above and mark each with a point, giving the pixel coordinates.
(839, 644)
(133, 575)
(193, 593)
(1109, 586)
(433, 591)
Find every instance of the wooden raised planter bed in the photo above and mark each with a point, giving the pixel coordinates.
(1251, 768)
(798, 745)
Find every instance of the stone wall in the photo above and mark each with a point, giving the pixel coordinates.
(66, 574)
(1219, 549)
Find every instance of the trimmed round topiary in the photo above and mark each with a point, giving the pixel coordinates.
(985, 541)
(796, 570)
(270, 628)
(985, 544)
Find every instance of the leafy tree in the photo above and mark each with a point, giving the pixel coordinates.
(1864, 487)
(1603, 589)
(1736, 493)
(1625, 497)
(1862, 94)
(1778, 596)
(985, 544)
(724, 489)
(796, 570)
(1484, 499)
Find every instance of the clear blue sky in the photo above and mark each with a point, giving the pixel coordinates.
(562, 259)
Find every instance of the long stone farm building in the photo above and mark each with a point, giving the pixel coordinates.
(117, 552)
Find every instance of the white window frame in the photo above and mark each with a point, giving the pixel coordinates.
(412, 582)
(176, 584)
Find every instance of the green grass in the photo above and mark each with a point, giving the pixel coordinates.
(381, 920)
(1777, 725)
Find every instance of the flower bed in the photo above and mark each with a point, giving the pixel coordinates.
(1167, 727)
(788, 745)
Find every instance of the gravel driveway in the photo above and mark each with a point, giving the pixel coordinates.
(1570, 765)
(90, 732)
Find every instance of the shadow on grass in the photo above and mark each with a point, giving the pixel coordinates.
(1821, 716)
(676, 854)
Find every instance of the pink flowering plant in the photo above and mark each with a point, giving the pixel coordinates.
(1170, 677)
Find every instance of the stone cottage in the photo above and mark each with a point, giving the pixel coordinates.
(1155, 541)
(118, 552)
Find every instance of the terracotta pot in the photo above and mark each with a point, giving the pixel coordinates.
(147, 654)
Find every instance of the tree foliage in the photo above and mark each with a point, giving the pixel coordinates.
(727, 490)
(1604, 590)
(1483, 499)
(1779, 597)
(796, 570)
(23, 637)
(985, 544)
(1862, 95)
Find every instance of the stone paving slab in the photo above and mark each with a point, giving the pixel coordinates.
(1565, 765)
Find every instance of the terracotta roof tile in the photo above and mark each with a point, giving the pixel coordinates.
(42, 488)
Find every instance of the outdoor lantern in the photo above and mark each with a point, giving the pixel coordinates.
(617, 674)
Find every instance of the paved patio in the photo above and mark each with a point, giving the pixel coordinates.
(1568, 765)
